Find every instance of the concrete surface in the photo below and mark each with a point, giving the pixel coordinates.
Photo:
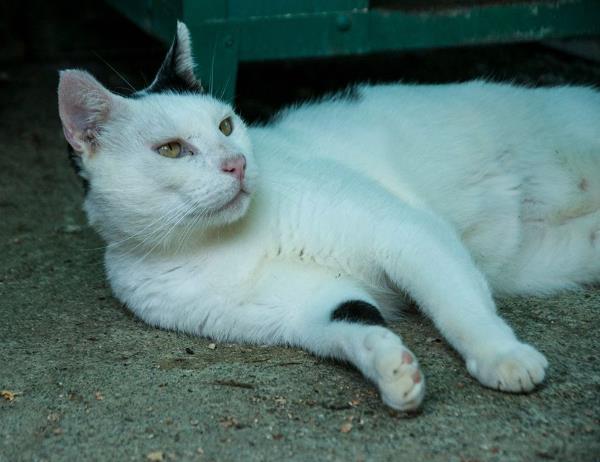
(90, 382)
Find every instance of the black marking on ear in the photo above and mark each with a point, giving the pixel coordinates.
(75, 161)
(176, 74)
(351, 94)
(358, 311)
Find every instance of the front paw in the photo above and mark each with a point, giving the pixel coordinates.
(516, 369)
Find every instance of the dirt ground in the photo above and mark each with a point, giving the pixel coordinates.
(91, 382)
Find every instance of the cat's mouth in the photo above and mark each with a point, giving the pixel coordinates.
(234, 202)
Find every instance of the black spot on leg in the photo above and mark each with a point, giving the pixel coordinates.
(357, 311)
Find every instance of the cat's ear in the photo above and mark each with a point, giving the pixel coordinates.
(84, 106)
(177, 70)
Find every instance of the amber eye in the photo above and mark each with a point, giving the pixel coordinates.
(226, 126)
(171, 150)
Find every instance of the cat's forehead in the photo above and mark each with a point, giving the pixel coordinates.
(181, 102)
(172, 109)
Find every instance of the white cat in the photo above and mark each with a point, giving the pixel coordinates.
(307, 231)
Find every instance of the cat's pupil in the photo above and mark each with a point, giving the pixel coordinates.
(226, 126)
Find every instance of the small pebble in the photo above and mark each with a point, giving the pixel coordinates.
(345, 428)
(8, 395)
(72, 229)
(155, 456)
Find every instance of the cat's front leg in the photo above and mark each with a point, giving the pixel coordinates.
(431, 263)
(330, 316)
(420, 253)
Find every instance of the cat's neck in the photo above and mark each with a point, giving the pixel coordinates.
(185, 241)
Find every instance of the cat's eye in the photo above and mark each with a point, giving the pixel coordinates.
(226, 126)
(172, 149)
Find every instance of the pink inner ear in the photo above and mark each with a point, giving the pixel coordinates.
(83, 104)
(69, 136)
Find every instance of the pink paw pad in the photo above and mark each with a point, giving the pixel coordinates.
(407, 358)
(416, 377)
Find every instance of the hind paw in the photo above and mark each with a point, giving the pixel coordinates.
(399, 379)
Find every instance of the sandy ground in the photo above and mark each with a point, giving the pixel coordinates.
(93, 383)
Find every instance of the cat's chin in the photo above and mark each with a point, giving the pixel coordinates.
(233, 210)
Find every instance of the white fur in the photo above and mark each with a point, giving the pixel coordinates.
(447, 192)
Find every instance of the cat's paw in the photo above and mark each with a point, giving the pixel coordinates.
(517, 369)
(398, 377)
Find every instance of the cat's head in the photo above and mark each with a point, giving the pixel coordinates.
(163, 162)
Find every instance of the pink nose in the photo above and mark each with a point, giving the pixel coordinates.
(235, 166)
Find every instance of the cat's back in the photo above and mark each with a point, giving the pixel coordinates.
(469, 151)
(397, 132)
(447, 107)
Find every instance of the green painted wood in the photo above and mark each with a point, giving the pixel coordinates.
(217, 57)
(334, 34)
(202, 10)
(226, 32)
(157, 17)
(490, 24)
(270, 8)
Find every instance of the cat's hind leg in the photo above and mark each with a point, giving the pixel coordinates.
(419, 253)
(380, 355)
(558, 257)
(560, 246)
(329, 315)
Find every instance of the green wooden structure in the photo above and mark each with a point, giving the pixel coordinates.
(226, 32)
